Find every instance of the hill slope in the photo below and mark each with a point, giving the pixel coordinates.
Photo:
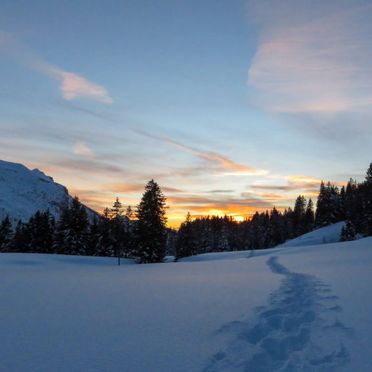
(24, 191)
(324, 235)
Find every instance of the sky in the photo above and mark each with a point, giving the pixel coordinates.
(231, 106)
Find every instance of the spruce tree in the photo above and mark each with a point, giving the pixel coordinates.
(150, 227)
(72, 229)
(276, 231)
(299, 212)
(78, 229)
(40, 230)
(93, 241)
(21, 238)
(348, 232)
(328, 205)
(366, 194)
(106, 242)
(185, 245)
(118, 228)
(5, 234)
(309, 216)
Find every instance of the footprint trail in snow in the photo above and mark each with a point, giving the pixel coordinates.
(298, 330)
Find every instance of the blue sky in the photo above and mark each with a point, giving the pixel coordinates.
(231, 106)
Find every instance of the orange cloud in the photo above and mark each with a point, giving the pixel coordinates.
(218, 162)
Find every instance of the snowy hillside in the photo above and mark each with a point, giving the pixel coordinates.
(283, 309)
(324, 235)
(24, 191)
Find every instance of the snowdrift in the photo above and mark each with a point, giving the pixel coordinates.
(324, 235)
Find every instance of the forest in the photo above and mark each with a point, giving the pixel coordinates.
(142, 233)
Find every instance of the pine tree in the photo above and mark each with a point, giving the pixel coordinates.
(328, 205)
(21, 239)
(93, 241)
(5, 234)
(40, 230)
(299, 212)
(309, 216)
(150, 227)
(78, 228)
(72, 229)
(118, 228)
(185, 245)
(348, 232)
(369, 174)
(366, 195)
(106, 242)
(129, 213)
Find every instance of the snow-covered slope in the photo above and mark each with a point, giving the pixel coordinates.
(24, 191)
(324, 235)
(283, 309)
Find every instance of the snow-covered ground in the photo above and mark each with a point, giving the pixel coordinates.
(305, 308)
(324, 235)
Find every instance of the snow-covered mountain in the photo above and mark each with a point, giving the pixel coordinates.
(24, 191)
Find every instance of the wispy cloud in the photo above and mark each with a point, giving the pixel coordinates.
(216, 161)
(72, 85)
(87, 165)
(75, 86)
(81, 148)
(313, 57)
(297, 183)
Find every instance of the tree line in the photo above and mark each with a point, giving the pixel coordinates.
(119, 232)
(352, 204)
(142, 234)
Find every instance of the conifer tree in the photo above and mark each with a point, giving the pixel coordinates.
(118, 228)
(40, 230)
(276, 231)
(366, 194)
(328, 205)
(5, 234)
(72, 229)
(348, 232)
(150, 227)
(21, 238)
(299, 212)
(106, 243)
(185, 244)
(309, 216)
(93, 241)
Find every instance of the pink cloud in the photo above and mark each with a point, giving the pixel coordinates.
(317, 61)
(75, 86)
(72, 85)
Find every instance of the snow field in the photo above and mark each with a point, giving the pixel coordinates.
(302, 308)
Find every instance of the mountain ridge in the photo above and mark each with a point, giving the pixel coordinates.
(25, 191)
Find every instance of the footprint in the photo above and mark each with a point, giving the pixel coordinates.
(282, 337)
